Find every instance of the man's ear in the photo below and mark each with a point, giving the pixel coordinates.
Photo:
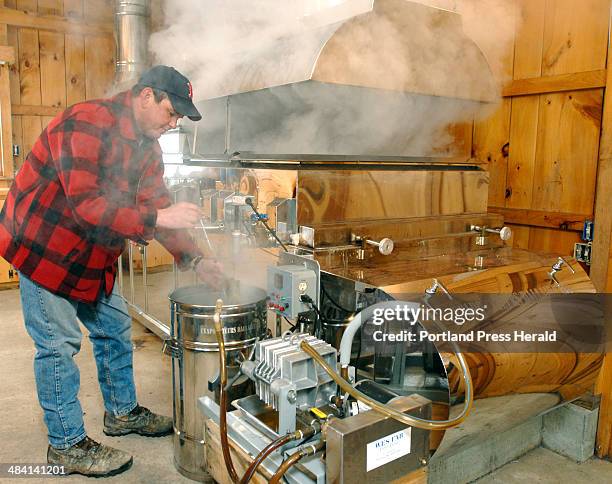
(146, 95)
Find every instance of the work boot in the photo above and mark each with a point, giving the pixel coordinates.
(90, 458)
(139, 421)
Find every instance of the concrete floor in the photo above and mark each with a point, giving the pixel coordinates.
(22, 431)
(545, 467)
(23, 434)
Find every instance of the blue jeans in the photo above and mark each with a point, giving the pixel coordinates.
(51, 321)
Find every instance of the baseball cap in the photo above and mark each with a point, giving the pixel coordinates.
(175, 85)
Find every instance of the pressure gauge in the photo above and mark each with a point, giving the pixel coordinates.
(386, 246)
(505, 233)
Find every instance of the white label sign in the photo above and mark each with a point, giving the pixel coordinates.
(387, 449)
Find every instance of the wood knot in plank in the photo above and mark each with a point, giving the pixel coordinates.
(506, 150)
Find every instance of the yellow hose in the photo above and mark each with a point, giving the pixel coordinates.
(391, 412)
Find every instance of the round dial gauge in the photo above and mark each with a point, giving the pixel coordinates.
(386, 246)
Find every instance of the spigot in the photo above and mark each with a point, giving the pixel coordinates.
(433, 289)
(504, 233)
(556, 267)
(385, 246)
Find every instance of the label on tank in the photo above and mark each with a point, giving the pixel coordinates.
(388, 449)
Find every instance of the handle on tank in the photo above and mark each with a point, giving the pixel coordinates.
(171, 347)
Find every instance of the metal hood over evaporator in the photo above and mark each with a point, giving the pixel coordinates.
(379, 83)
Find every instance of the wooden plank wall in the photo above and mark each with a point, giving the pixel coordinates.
(65, 54)
(547, 170)
(542, 144)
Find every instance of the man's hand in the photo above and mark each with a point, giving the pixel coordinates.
(182, 215)
(210, 272)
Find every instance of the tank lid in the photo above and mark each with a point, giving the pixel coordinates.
(202, 296)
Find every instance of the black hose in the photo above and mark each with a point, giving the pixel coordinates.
(358, 354)
(319, 318)
(291, 325)
(249, 202)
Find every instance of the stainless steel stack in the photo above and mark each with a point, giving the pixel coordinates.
(195, 363)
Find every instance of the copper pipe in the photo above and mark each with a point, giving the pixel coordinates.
(271, 447)
(291, 460)
(227, 457)
(305, 434)
(310, 449)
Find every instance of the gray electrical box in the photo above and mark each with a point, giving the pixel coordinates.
(286, 284)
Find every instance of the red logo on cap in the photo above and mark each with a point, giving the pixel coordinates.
(190, 90)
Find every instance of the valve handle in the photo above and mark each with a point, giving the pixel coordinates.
(385, 246)
(504, 232)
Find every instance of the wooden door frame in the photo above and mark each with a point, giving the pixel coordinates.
(601, 253)
(7, 57)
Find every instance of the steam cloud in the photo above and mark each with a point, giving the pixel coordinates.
(218, 44)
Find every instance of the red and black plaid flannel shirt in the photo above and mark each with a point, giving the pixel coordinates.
(90, 182)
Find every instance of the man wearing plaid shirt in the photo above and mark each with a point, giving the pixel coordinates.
(92, 180)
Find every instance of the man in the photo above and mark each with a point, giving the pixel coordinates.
(92, 180)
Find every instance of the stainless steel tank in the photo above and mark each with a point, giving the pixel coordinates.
(195, 359)
(185, 191)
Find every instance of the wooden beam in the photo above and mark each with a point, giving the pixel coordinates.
(57, 23)
(541, 218)
(602, 236)
(7, 162)
(603, 447)
(27, 110)
(600, 256)
(559, 83)
(7, 54)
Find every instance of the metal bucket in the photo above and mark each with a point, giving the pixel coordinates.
(195, 359)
